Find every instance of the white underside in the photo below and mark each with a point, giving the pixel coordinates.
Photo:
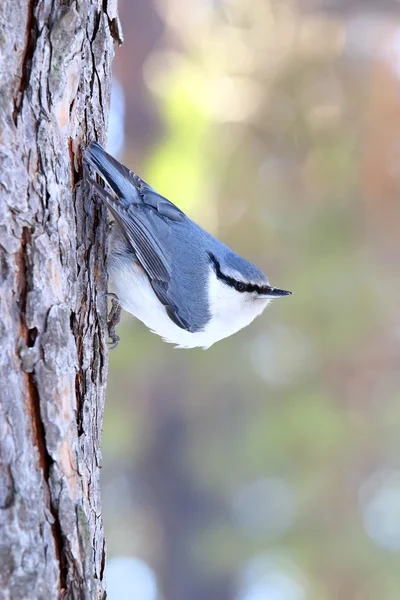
(231, 310)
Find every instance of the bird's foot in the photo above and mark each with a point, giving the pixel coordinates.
(113, 319)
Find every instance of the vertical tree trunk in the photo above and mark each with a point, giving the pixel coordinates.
(55, 60)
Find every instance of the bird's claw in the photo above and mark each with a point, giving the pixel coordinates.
(115, 339)
(111, 295)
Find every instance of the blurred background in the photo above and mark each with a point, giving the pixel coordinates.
(268, 467)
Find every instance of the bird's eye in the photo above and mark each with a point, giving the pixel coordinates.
(240, 286)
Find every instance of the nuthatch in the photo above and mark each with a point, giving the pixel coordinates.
(180, 281)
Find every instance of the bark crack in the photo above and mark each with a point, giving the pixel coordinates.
(30, 336)
(45, 462)
(31, 35)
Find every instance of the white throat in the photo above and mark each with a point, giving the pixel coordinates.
(231, 310)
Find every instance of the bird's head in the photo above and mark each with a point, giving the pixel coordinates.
(238, 291)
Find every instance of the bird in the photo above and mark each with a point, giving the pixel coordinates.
(180, 281)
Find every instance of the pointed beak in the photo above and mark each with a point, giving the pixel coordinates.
(274, 293)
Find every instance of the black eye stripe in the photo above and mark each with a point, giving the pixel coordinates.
(240, 286)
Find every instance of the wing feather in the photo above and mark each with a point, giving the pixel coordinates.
(138, 222)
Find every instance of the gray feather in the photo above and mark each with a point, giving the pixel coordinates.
(154, 227)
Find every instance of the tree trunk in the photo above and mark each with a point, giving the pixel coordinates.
(55, 60)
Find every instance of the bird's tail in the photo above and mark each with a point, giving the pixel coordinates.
(120, 179)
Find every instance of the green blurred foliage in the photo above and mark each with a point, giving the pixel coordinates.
(268, 123)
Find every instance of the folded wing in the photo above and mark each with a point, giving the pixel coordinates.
(142, 216)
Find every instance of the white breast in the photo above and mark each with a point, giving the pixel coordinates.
(231, 310)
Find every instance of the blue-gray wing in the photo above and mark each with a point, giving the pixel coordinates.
(146, 230)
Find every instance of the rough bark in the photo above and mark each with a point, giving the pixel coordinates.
(55, 60)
